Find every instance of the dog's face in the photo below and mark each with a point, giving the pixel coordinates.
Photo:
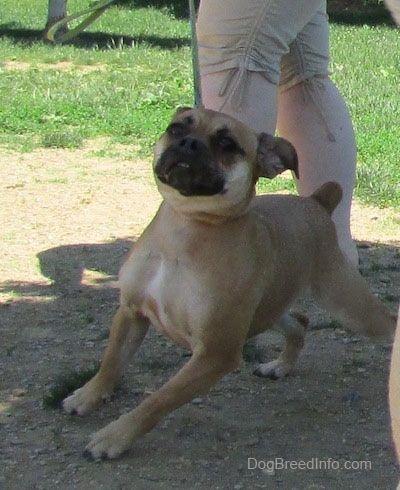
(208, 162)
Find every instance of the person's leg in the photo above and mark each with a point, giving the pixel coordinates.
(240, 49)
(258, 109)
(320, 159)
(394, 7)
(313, 116)
(241, 46)
(299, 121)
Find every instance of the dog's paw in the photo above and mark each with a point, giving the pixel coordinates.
(110, 442)
(272, 370)
(83, 401)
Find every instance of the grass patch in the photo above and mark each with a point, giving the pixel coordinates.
(125, 77)
(66, 384)
(62, 139)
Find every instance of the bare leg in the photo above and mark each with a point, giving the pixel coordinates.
(305, 121)
(127, 333)
(394, 388)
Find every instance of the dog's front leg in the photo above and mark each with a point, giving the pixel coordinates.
(126, 335)
(201, 372)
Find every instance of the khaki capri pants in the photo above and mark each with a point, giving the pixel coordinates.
(285, 41)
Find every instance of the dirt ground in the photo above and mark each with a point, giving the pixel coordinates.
(67, 219)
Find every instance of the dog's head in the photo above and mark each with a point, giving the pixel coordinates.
(208, 162)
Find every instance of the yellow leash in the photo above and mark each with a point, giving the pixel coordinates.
(98, 8)
(95, 10)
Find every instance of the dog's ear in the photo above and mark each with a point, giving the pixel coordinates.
(180, 110)
(274, 156)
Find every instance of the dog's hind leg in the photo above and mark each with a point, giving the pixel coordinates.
(344, 293)
(292, 326)
(126, 335)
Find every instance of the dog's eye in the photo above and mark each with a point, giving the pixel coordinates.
(176, 130)
(222, 140)
(227, 143)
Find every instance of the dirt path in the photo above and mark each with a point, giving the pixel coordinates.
(67, 219)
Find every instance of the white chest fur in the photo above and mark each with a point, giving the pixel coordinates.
(163, 304)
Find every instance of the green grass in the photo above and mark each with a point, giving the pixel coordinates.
(366, 68)
(140, 81)
(129, 72)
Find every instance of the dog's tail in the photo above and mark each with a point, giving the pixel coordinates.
(328, 195)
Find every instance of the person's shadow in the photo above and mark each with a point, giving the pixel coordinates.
(65, 265)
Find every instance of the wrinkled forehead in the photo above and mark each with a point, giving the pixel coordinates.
(206, 121)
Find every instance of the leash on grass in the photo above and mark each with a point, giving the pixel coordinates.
(95, 11)
(98, 8)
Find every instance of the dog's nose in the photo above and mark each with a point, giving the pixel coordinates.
(189, 144)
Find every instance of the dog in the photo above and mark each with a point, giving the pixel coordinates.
(218, 265)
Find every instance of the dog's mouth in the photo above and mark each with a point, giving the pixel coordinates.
(183, 166)
(189, 176)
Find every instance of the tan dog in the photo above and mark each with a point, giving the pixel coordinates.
(217, 266)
